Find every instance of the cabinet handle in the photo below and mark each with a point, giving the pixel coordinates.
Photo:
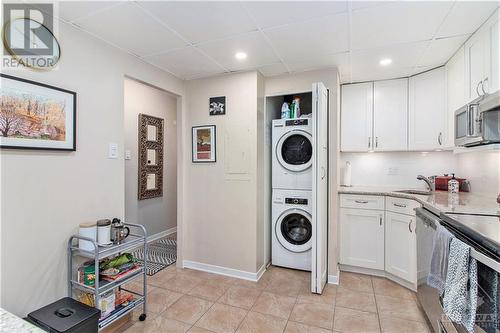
(380, 221)
(361, 201)
(409, 226)
(369, 142)
(440, 138)
(376, 142)
(482, 86)
(477, 88)
(399, 205)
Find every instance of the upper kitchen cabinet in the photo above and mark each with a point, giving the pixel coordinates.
(357, 117)
(482, 59)
(390, 115)
(427, 111)
(456, 95)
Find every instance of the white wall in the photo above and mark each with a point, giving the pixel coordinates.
(483, 170)
(156, 214)
(397, 169)
(221, 197)
(45, 195)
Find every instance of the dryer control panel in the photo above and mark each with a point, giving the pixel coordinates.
(296, 122)
(295, 201)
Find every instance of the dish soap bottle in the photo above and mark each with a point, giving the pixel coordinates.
(453, 184)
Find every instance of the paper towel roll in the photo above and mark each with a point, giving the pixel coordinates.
(347, 174)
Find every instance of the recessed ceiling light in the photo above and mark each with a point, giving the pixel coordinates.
(385, 61)
(240, 55)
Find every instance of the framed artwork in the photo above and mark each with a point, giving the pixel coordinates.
(150, 177)
(36, 116)
(217, 106)
(203, 141)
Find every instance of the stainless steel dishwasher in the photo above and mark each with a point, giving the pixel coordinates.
(482, 233)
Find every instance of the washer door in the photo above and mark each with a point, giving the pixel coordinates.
(294, 150)
(294, 230)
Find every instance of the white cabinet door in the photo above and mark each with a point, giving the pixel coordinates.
(400, 246)
(427, 111)
(356, 117)
(455, 92)
(495, 52)
(477, 62)
(362, 238)
(390, 115)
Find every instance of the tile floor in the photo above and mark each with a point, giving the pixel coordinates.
(183, 300)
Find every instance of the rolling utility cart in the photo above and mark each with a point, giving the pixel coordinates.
(136, 239)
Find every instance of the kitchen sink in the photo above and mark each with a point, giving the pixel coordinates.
(415, 192)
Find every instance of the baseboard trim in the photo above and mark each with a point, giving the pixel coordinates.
(224, 270)
(334, 279)
(162, 234)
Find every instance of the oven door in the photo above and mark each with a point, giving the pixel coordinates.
(488, 304)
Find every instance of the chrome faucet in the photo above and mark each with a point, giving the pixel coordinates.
(430, 182)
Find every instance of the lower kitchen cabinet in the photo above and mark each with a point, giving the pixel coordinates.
(400, 246)
(362, 238)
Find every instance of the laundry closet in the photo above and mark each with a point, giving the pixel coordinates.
(297, 181)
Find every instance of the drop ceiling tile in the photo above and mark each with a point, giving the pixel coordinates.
(275, 13)
(441, 50)
(273, 69)
(466, 17)
(74, 10)
(338, 60)
(130, 28)
(253, 44)
(202, 21)
(185, 63)
(365, 64)
(319, 36)
(398, 22)
(357, 5)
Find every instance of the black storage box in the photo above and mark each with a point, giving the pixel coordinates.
(66, 316)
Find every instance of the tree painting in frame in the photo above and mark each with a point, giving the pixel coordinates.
(204, 150)
(36, 116)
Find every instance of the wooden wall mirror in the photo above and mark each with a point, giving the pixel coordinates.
(150, 157)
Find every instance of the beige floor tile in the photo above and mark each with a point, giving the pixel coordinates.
(286, 273)
(383, 286)
(396, 325)
(240, 296)
(285, 286)
(275, 305)
(188, 309)
(160, 279)
(354, 321)
(222, 318)
(399, 308)
(327, 297)
(195, 329)
(159, 325)
(159, 299)
(182, 283)
(260, 285)
(260, 323)
(356, 300)
(137, 286)
(314, 314)
(209, 290)
(356, 282)
(293, 327)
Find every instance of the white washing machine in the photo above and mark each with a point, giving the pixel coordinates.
(292, 229)
(292, 154)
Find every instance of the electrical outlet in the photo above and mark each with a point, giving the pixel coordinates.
(392, 171)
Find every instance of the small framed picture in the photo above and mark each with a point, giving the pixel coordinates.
(204, 150)
(217, 106)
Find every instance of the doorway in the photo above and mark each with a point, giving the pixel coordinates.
(157, 214)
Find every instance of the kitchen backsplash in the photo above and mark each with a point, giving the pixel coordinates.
(482, 169)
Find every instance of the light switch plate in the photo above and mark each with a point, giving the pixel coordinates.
(392, 171)
(128, 154)
(113, 150)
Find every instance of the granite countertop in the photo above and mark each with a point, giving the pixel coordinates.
(438, 201)
(12, 323)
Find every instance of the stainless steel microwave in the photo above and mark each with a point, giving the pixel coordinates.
(478, 123)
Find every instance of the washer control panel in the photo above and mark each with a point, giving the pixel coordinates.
(295, 201)
(296, 122)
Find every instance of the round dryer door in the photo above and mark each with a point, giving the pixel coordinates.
(294, 230)
(294, 150)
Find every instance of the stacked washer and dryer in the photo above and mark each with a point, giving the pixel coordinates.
(292, 229)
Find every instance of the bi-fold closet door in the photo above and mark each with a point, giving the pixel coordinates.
(319, 272)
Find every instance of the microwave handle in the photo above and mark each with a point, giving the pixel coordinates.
(472, 115)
